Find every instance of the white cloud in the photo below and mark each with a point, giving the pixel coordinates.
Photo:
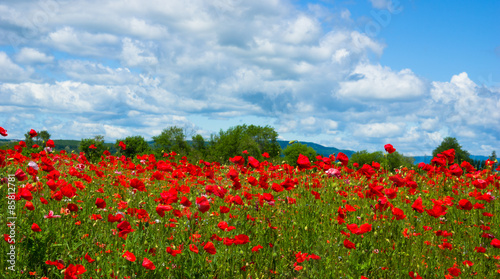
(391, 6)
(81, 42)
(378, 130)
(94, 73)
(370, 82)
(302, 30)
(32, 56)
(466, 103)
(9, 71)
(134, 53)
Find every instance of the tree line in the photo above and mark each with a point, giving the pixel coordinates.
(243, 140)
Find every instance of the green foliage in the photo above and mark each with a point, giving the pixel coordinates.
(92, 154)
(199, 147)
(452, 143)
(390, 161)
(292, 153)
(42, 138)
(171, 139)
(365, 157)
(28, 140)
(397, 160)
(135, 145)
(254, 139)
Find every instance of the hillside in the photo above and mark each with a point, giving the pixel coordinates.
(320, 149)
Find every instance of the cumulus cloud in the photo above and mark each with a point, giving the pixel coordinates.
(374, 82)
(134, 53)
(96, 73)
(32, 56)
(69, 40)
(10, 71)
(378, 130)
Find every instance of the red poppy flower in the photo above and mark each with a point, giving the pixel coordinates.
(74, 271)
(57, 264)
(343, 158)
(453, 271)
(389, 148)
(50, 143)
(210, 248)
(257, 248)
(254, 163)
(122, 145)
(146, 263)
(480, 183)
(417, 205)
(464, 204)
(124, 228)
(241, 239)
(20, 175)
(7, 238)
(100, 203)
(223, 209)
(129, 256)
(92, 146)
(193, 248)
(468, 263)
(174, 252)
(160, 209)
(3, 132)
(480, 249)
(495, 243)
(33, 133)
(29, 205)
(222, 225)
(348, 244)
(303, 162)
(35, 228)
(436, 211)
(112, 218)
(203, 204)
(185, 202)
(398, 213)
(72, 207)
(391, 193)
(88, 258)
(137, 184)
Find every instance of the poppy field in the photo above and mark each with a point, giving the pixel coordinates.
(148, 217)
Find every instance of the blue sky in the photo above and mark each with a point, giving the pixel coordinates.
(348, 74)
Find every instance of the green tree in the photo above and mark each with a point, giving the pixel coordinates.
(397, 160)
(292, 152)
(493, 156)
(92, 154)
(392, 161)
(28, 140)
(452, 143)
(42, 137)
(171, 139)
(135, 145)
(199, 147)
(254, 139)
(364, 157)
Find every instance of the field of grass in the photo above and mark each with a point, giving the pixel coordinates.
(64, 217)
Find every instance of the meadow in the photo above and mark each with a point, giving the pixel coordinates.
(148, 217)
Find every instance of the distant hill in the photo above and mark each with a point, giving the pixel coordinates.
(427, 159)
(320, 149)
